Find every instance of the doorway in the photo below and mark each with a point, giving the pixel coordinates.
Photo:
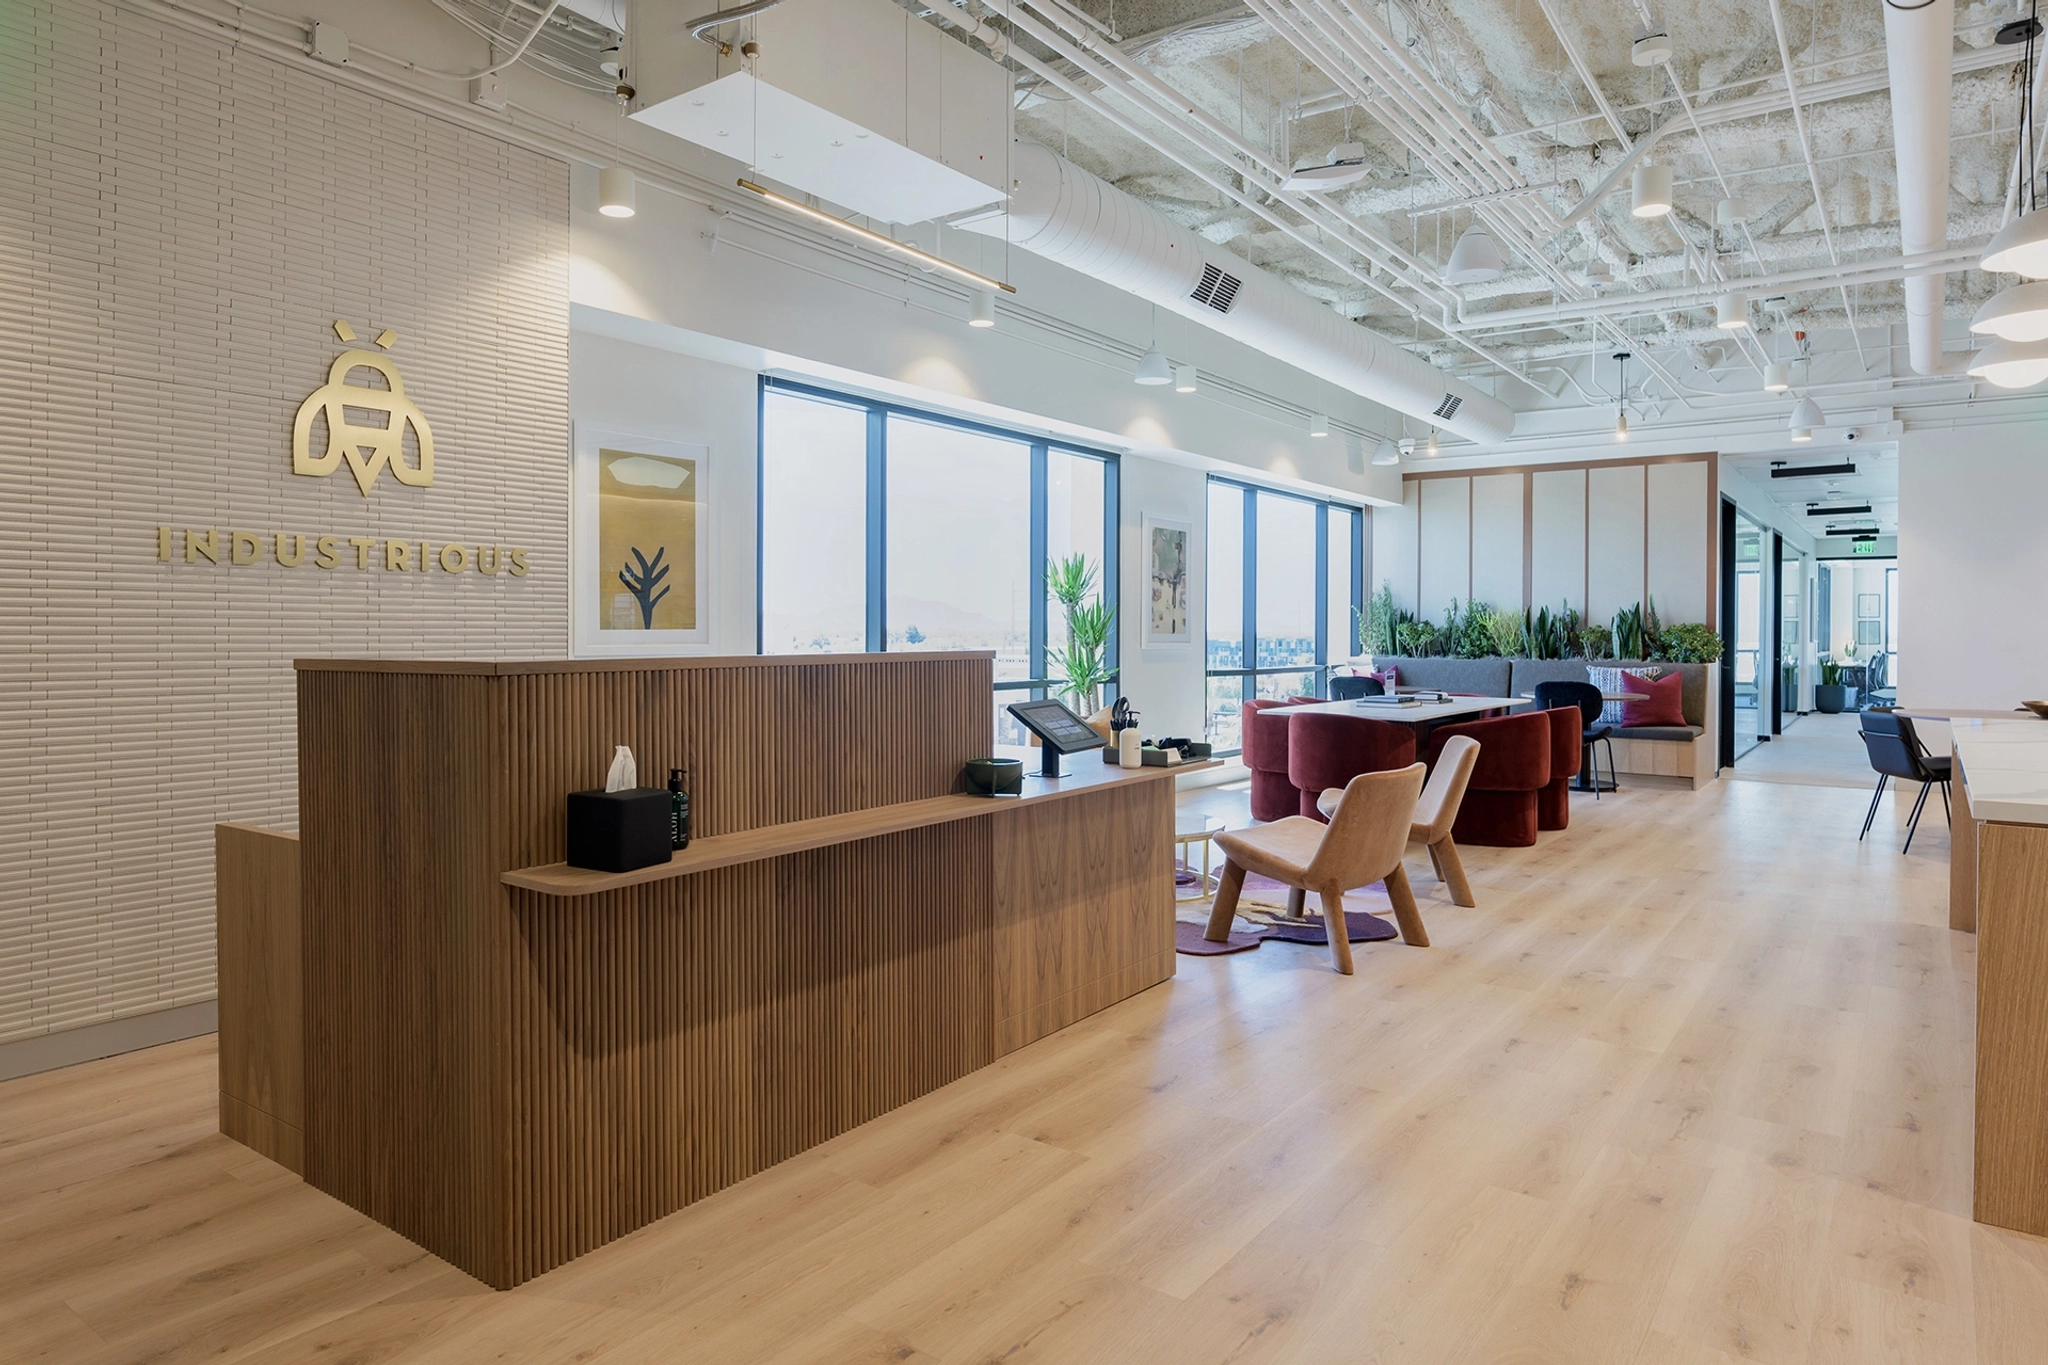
(1748, 677)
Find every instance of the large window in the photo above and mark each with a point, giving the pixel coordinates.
(888, 529)
(1286, 577)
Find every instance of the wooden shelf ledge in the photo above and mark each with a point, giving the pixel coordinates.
(799, 836)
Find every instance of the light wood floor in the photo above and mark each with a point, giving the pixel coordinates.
(1691, 1085)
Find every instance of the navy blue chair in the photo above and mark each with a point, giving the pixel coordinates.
(1351, 689)
(1896, 751)
(1585, 696)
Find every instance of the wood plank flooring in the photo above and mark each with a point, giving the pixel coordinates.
(1691, 1086)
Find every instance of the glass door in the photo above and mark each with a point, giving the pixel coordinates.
(1752, 676)
(1791, 640)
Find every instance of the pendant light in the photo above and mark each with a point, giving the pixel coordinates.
(615, 182)
(2016, 314)
(1777, 377)
(2012, 364)
(1184, 379)
(1154, 368)
(1650, 190)
(2021, 246)
(1475, 259)
(981, 309)
(1387, 454)
(1318, 425)
(1432, 443)
(1731, 311)
(1806, 415)
(1621, 358)
(1620, 422)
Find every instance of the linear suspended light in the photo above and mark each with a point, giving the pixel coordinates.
(876, 239)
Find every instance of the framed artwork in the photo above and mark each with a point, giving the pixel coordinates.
(1166, 619)
(639, 544)
(1869, 632)
(1869, 606)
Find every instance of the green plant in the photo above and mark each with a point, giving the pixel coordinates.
(1596, 642)
(1469, 635)
(1628, 633)
(1380, 623)
(1508, 633)
(1416, 639)
(1830, 673)
(1691, 643)
(1081, 663)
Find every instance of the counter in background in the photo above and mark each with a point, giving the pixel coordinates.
(1999, 886)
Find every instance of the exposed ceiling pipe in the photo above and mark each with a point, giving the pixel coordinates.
(1820, 205)
(1918, 36)
(1067, 215)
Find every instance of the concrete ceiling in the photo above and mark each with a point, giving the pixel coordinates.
(1510, 67)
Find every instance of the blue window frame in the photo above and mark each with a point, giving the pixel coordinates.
(884, 527)
(1286, 581)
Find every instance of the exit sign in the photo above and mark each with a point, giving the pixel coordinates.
(1863, 547)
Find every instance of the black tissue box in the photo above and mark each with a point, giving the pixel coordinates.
(619, 831)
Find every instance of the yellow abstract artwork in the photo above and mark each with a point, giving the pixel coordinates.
(647, 531)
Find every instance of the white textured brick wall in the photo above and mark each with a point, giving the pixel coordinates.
(180, 223)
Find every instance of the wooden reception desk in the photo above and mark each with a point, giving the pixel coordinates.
(511, 1061)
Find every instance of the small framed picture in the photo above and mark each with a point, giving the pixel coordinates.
(1869, 606)
(640, 544)
(1869, 632)
(1166, 620)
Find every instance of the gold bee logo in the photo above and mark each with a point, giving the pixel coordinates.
(348, 412)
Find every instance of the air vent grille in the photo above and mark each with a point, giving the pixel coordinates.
(1449, 407)
(1218, 289)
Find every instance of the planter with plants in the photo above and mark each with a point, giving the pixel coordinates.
(1832, 695)
(1081, 663)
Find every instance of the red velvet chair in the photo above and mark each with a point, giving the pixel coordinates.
(1567, 748)
(1328, 751)
(1514, 765)
(1265, 753)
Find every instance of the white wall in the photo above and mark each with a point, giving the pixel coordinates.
(1620, 531)
(1166, 683)
(181, 221)
(682, 398)
(1972, 562)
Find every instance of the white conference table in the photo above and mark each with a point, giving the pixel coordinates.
(1423, 713)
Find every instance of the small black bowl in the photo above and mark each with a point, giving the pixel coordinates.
(995, 776)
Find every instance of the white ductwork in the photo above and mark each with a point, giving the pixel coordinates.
(1067, 215)
(1919, 41)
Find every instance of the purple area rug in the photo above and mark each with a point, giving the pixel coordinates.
(1187, 938)
(1363, 927)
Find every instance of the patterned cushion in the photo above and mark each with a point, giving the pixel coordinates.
(1611, 680)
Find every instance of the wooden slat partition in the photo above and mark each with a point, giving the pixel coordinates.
(256, 918)
(512, 1078)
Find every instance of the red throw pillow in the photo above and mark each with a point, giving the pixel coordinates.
(1666, 704)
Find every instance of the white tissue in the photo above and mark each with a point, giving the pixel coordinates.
(624, 775)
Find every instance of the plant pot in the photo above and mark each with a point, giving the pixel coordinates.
(1834, 698)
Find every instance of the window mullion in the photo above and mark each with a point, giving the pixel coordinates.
(1251, 588)
(878, 531)
(1040, 666)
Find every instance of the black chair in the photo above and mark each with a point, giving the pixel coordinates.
(1591, 704)
(1896, 751)
(1351, 689)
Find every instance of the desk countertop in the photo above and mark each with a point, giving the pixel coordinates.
(1090, 773)
(1412, 715)
(2005, 768)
